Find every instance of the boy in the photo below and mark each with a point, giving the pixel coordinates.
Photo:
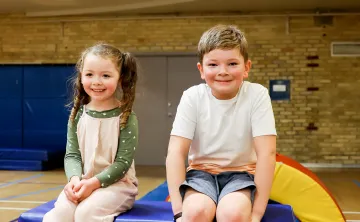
(226, 127)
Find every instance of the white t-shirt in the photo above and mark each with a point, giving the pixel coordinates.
(222, 131)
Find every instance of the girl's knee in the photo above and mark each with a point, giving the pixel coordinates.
(84, 212)
(63, 213)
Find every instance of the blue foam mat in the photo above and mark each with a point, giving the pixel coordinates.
(29, 154)
(152, 207)
(159, 211)
(27, 165)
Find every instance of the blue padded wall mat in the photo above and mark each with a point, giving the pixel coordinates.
(45, 123)
(47, 81)
(11, 106)
(10, 122)
(11, 81)
(46, 92)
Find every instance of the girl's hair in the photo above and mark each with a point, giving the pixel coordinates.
(127, 67)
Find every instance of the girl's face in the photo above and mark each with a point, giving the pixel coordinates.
(100, 78)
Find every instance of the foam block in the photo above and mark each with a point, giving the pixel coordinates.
(30, 159)
(159, 211)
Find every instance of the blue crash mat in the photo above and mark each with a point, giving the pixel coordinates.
(159, 211)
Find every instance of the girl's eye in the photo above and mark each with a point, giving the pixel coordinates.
(88, 74)
(106, 75)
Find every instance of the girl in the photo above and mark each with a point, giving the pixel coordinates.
(101, 139)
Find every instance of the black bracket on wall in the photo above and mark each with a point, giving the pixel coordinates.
(312, 88)
(312, 57)
(312, 127)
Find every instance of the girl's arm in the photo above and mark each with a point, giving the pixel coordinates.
(265, 147)
(128, 143)
(72, 160)
(175, 169)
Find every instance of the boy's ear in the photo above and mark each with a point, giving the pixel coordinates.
(201, 70)
(247, 68)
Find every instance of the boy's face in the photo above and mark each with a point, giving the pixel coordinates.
(224, 71)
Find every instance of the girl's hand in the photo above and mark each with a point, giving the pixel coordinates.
(68, 189)
(85, 187)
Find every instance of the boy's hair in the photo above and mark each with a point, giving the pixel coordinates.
(222, 37)
(127, 67)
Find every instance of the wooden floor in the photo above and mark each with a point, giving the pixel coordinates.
(21, 191)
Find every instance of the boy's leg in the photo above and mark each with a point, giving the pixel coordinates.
(197, 207)
(234, 207)
(62, 212)
(199, 193)
(236, 196)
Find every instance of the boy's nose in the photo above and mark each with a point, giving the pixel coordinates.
(223, 70)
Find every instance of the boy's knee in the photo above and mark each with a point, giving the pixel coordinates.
(231, 215)
(196, 212)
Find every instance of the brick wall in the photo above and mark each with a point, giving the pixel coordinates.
(278, 51)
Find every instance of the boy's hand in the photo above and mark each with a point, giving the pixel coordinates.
(68, 189)
(255, 218)
(178, 220)
(85, 187)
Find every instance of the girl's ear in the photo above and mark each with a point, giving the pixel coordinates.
(81, 79)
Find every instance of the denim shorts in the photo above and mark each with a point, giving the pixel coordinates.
(217, 186)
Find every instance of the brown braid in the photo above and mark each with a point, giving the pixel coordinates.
(80, 97)
(127, 67)
(128, 84)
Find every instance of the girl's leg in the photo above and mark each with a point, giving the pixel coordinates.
(62, 212)
(106, 203)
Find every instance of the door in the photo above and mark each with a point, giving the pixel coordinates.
(182, 74)
(150, 108)
(162, 80)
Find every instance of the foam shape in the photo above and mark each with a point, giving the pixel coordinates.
(158, 211)
(297, 186)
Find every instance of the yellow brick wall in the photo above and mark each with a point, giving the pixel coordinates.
(277, 52)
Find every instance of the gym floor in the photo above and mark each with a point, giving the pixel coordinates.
(21, 191)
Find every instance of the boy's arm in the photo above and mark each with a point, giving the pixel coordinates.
(175, 169)
(265, 147)
(181, 138)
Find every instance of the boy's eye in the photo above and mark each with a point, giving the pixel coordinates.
(233, 63)
(211, 64)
